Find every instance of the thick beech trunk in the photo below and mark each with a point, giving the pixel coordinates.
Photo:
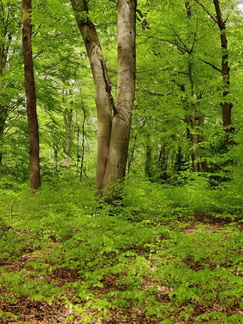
(35, 181)
(113, 118)
(116, 164)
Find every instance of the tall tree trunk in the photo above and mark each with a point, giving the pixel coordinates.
(193, 130)
(113, 119)
(4, 22)
(104, 101)
(82, 142)
(201, 141)
(148, 158)
(35, 181)
(68, 119)
(68, 123)
(192, 104)
(225, 71)
(116, 164)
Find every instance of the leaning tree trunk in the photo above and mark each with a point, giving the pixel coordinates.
(35, 181)
(104, 100)
(113, 118)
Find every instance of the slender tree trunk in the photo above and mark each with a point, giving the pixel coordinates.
(148, 158)
(113, 119)
(193, 130)
(68, 122)
(4, 21)
(68, 118)
(35, 181)
(131, 155)
(163, 162)
(201, 141)
(82, 143)
(225, 71)
(192, 104)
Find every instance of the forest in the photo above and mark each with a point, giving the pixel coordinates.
(121, 161)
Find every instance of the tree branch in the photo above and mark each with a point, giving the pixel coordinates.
(152, 93)
(141, 17)
(212, 65)
(206, 10)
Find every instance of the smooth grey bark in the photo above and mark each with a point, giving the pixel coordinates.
(104, 102)
(116, 164)
(113, 118)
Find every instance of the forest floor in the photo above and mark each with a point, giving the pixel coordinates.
(117, 271)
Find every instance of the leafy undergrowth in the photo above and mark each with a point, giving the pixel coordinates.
(65, 261)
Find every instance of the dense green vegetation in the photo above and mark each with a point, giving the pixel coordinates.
(169, 250)
(168, 255)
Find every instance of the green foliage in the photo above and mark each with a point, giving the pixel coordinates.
(170, 251)
(149, 255)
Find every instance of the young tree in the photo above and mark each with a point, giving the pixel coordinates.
(30, 91)
(113, 117)
(5, 40)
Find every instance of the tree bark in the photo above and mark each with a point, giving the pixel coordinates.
(113, 118)
(116, 164)
(68, 123)
(225, 71)
(35, 181)
(4, 21)
(192, 103)
(104, 101)
(193, 129)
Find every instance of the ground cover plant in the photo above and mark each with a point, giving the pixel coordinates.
(158, 258)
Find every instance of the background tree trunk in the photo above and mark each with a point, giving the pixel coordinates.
(225, 71)
(4, 21)
(35, 181)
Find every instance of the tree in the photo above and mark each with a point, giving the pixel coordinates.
(113, 117)
(7, 53)
(224, 70)
(35, 181)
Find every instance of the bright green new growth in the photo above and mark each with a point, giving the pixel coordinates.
(152, 257)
